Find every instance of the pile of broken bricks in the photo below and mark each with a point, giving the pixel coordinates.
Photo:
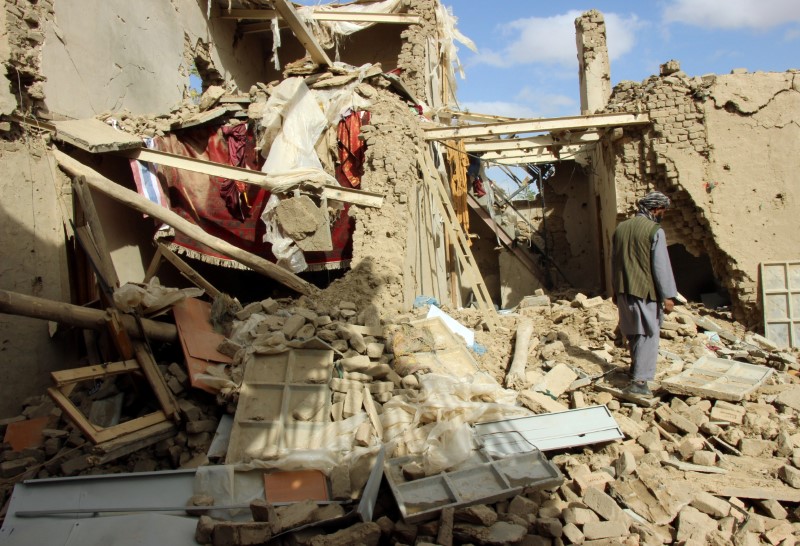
(690, 469)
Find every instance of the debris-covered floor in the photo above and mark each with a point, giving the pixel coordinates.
(699, 463)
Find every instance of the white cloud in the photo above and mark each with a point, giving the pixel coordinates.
(757, 14)
(551, 40)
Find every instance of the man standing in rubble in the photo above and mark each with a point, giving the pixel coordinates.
(644, 286)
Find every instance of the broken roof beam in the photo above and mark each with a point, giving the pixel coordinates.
(535, 125)
(302, 32)
(496, 145)
(566, 153)
(257, 178)
(325, 15)
(142, 204)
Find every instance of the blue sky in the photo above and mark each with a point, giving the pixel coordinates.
(526, 64)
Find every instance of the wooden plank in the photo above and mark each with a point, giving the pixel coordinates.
(86, 243)
(142, 204)
(257, 178)
(117, 431)
(75, 375)
(536, 152)
(98, 237)
(781, 494)
(536, 125)
(460, 245)
(528, 143)
(689, 467)
(186, 270)
(119, 336)
(94, 136)
(302, 32)
(155, 263)
(131, 442)
(524, 257)
(163, 394)
(73, 414)
(320, 15)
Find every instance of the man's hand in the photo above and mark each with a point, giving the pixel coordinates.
(669, 304)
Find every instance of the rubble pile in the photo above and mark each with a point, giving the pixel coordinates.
(674, 476)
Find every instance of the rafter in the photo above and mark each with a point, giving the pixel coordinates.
(530, 142)
(324, 15)
(288, 13)
(535, 125)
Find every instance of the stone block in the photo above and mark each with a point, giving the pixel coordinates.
(603, 505)
(571, 532)
(368, 533)
(772, 508)
(605, 529)
(625, 464)
(294, 515)
(689, 446)
(711, 505)
(522, 506)
(727, 412)
(678, 421)
(556, 381)
(579, 516)
(593, 479)
(790, 475)
(754, 447)
(693, 526)
(705, 458)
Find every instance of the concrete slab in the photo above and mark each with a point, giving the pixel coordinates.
(718, 378)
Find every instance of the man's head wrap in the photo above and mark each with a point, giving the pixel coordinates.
(653, 200)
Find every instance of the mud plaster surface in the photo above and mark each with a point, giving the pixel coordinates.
(32, 243)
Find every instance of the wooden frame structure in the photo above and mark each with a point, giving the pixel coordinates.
(67, 380)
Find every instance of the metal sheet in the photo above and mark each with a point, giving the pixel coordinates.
(549, 431)
(780, 293)
(482, 480)
(111, 491)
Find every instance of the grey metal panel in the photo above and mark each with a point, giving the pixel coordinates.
(110, 491)
(483, 481)
(133, 530)
(780, 294)
(549, 431)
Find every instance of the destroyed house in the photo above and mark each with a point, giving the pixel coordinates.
(259, 278)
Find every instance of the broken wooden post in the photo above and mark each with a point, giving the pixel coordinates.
(142, 204)
(515, 378)
(14, 303)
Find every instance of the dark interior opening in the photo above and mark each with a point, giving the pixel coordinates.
(695, 279)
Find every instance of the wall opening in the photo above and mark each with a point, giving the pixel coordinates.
(695, 279)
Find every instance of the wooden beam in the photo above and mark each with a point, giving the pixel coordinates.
(320, 15)
(83, 317)
(154, 376)
(537, 152)
(302, 32)
(496, 145)
(98, 238)
(187, 271)
(75, 375)
(535, 125)
(144, 205)
(475, 116)
(257, 178)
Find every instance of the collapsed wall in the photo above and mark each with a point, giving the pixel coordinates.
(722, 148)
